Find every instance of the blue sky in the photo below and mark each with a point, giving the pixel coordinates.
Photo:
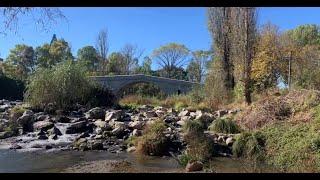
(148, 28)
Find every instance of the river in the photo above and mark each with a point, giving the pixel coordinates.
(58, 161)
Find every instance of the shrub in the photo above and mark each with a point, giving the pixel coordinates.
(249, 145)
(195, 127)
(224, 125)
(64, 85)
(153, 141)
(100, 96)
(199, 146)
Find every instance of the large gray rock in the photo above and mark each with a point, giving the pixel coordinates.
(117, 115)
(4, 107)
(229, 141)
(136, 132)
(184, 113)
(95, 113)
(205, 118)
(41, 116)
(136, 125)
(102, 124)
(26, 120)
(42, 125)
(194, 166)
(77, 127)
(54, 131)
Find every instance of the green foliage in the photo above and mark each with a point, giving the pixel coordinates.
(224, 125)
(115, 65)
(88, 56)
(193, 126)
(250, 145)
(64, 85)
(305, 34)
(153, 141)
(171, 57)
(197, 67)
(22, 58)
(48, 55)
(11, 89)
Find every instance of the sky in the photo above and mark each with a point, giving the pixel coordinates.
(148, 28)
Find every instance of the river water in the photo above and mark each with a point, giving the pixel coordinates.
(57, 161)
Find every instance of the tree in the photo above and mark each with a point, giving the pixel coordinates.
(146, 67)
(102, 46)
(245, 30)
(47, 56)
(41, 16)
(54, 39)
(116, 60)
(221, 27)
(131, 55)
(88, 56)
(20, 61)
(170, 57)
(308, 34)
(197, 67)
(267, 61)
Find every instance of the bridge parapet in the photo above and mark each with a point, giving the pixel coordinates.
(169, 86)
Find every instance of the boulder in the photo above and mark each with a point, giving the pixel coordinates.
(62, 119)
(53, 136)
(4, 107)
(96, 145)
(136, 132)
(194, 166)
(205, 118)
(221, 113)
(229, 141)
(98, 130)
(221, 139)
(118, 132)
(102, 124)
(181, 122)
(42, 125)
(160, 113)
(184, 113)
(81, 144)
(137, 118)
(40, 116)
(150, 114)
(77, 127)
(117, 115)
(95, 113)
(131, 149)
(5, 134)
(26, 120)
(42, 137)
(136, 125)
(54, 131)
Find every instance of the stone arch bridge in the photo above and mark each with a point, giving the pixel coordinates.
(169, 86)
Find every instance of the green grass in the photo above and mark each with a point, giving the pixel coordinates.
(250, 145)
(224, 125)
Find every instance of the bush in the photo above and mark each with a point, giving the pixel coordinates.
(64, 86)
(153, 141)
(11, 89)
(250, 145)
(99, 96)
(199, 147)
(224, 125)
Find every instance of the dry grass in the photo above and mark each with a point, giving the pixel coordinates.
(273, 108)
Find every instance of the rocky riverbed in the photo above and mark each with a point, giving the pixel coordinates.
(99, 128)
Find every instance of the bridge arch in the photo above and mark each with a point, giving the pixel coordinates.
(168, 86)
